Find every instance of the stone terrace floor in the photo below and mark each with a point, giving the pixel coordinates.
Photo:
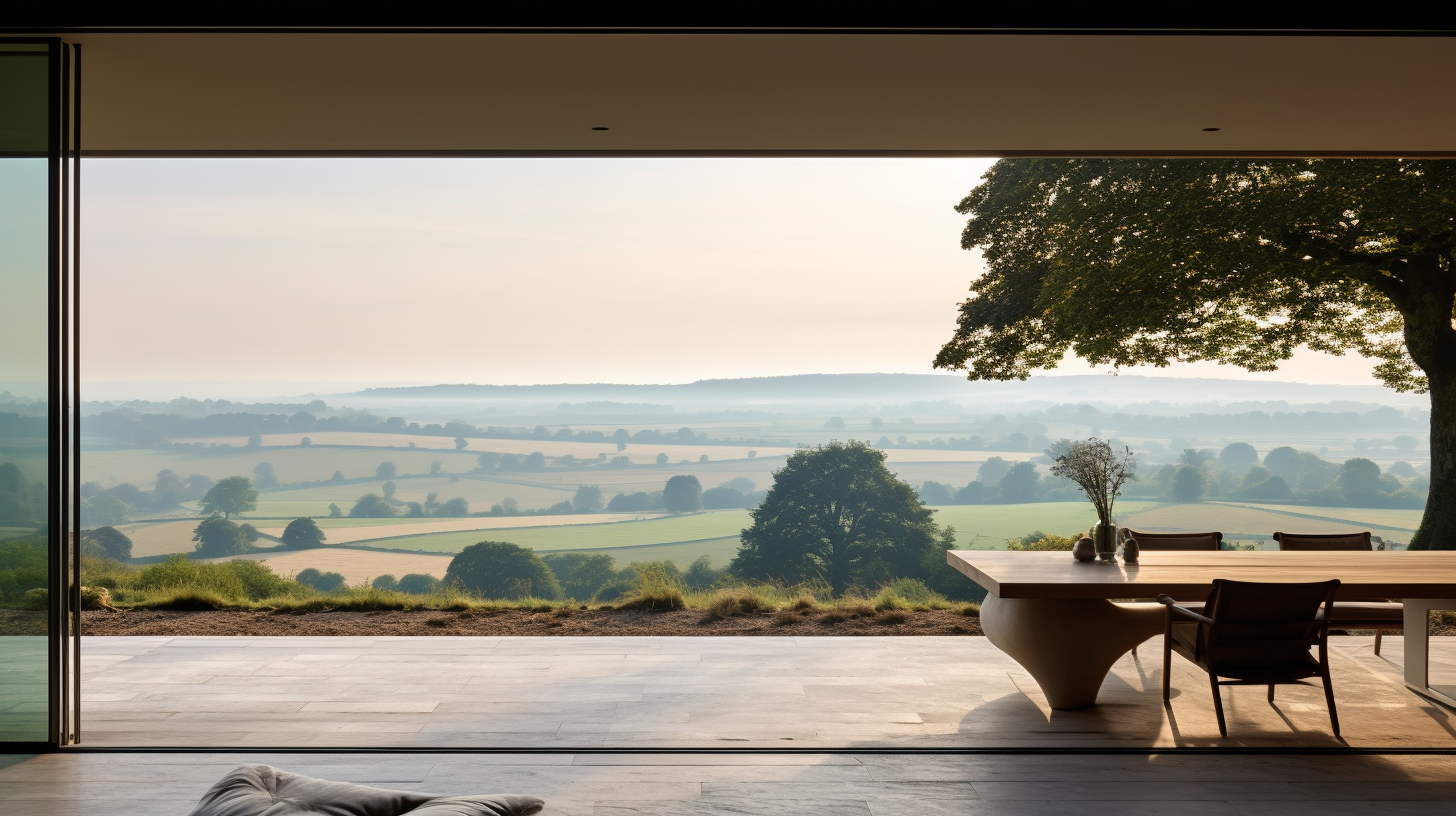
(818, 693)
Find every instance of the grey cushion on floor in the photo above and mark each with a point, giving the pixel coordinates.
(500, 805)
(262, 790)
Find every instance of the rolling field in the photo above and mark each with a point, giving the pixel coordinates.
(638, 453)
(1260, 522)
(1370, 517)
(352, 530)
(150, 538)
(312, 464)
(987, 526)
(641, 454)
(690, 528)
(357, 566)
(481, 492)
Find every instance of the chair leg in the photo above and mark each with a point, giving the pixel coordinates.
(1271, 692)
(1378, 634)
(1168, 656)
(1330, 702)
(1218, 704)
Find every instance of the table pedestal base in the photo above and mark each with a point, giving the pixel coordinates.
(1418, 647)
(1068, 646)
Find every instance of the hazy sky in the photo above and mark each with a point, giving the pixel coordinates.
(269, 277)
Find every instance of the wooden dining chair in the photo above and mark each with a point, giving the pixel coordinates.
(1254, 634)
(1167, 542)
(1380, 614)
(1148, 542)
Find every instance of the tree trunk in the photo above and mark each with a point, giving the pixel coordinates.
(1438, 524)
(1426, 306)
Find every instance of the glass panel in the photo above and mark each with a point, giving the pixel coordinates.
(24, 558)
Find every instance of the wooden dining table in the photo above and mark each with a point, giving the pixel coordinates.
(1067, 621)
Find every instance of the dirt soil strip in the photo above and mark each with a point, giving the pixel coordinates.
(599, 622)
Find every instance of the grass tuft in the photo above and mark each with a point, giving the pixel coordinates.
(185, 600)
(735, 601)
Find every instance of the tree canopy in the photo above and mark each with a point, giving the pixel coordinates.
(683, 494)
(495, 569)
(836, 513)
(371, 505)
(232, 495)
(106, 542)
(1239, 261)
(217, 537)
(302, 533)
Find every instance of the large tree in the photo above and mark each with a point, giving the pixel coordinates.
(496, 569)
(836, 513)
(683, 494)
(235, 494)
(217, 537)
(106, 542)
(303, 533)
(1240, 261)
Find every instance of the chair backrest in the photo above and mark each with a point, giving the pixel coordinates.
(1263, 624)
(1175, 541)
(1328, 541)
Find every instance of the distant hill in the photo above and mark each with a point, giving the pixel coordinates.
(850, 390)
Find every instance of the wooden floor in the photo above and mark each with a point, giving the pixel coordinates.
(818, 693)
(144, 784)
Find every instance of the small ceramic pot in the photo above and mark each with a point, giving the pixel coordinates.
(1084, 550)
(1130, 551)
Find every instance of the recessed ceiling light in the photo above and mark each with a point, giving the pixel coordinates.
(1211, 130)
(601, 128)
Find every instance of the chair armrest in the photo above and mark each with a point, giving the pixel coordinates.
(1173, 607)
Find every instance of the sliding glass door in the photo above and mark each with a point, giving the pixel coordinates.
(38, 648)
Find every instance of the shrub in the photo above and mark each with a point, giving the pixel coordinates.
(581, 575)
(612, 592)
(178, 574)
(701, 575)
(386, 583)
(371, 505)
(23, 567)
(496, 569)
(321, 581)
(418, 583)
(1039, 542)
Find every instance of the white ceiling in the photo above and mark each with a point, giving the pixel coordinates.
(971, 94)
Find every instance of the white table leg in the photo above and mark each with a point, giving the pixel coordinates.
(1417, 636)
(1067, 646)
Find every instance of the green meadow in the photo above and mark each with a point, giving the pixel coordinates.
(987, 526)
